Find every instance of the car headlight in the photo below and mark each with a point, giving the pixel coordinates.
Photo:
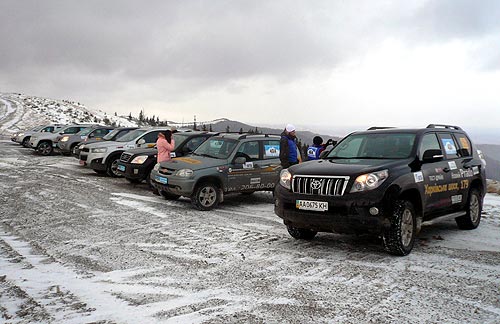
(99, 150)
(20, 134)
(184, 173)
(285, 178)
(140, 159)
(369, 181)
(156, 167)
(65, 138)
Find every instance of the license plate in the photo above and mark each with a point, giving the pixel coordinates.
(121, 167)
(311, 205)
(161, 179)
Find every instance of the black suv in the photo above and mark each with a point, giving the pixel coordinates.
(136, 164)
(385, 181)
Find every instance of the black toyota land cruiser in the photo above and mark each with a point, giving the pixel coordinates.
(385, 181)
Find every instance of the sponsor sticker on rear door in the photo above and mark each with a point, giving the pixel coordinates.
(311, 205)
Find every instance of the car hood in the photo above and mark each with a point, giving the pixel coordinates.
(193, 162)
(345, 167)
(142, 151)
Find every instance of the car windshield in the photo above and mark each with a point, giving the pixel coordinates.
(179, 138)
(110, 135)
(85, 131)
(58, 128)
(131, 136)
(374, 146)
(219, 148)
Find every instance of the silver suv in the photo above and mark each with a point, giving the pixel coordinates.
(44, 143)
(23, 137)
(228, 163)
(103, 157)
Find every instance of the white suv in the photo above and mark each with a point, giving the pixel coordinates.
(103, 157)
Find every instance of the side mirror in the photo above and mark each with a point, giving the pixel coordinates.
(141, 141)
(432, 156)
(240, 160)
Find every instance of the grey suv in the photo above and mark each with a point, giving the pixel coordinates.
(67, 143)
(228, 163)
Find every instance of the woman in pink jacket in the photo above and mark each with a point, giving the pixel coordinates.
(165, 144)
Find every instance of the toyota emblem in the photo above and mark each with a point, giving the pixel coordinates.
(315, 184)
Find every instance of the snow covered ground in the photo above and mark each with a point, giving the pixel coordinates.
(76, 247)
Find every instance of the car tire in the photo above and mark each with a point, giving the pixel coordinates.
(473, 209)
(301, 233)
(206, 196)
(169, 196)
(399, 238)
(112, 167)
(45, 148)
(25, 142)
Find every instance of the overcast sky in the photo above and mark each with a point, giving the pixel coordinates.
(324, 63)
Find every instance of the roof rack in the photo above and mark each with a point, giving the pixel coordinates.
(443, 126)
(376, 127)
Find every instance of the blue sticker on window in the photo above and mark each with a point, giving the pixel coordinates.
(449, 146)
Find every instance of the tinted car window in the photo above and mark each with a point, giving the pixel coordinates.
(151, 137)
(72, 130)
(131, 136)
(429, 142)
(251, 149)
(193, 143)
(375, 146)
(464, 145)
(217, 147)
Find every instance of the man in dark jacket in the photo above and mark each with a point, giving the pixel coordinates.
(288, 147)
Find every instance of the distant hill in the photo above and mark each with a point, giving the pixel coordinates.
(492, 156)
(305, 137)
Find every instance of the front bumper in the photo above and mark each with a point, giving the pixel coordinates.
(133, 171)
(96, 161)
(346, 214)
(175, 185)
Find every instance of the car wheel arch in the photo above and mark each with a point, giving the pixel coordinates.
(395, 193)
(215, 180)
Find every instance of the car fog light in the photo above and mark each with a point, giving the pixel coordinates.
(373, 211)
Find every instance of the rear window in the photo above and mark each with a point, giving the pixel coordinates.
(464, 145)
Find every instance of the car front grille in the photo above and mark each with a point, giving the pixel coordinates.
(319, 185)
(125, 157)
(166, 171)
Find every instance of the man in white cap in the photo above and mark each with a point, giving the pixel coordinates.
(288, 147)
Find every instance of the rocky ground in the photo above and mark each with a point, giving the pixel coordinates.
(76, 247)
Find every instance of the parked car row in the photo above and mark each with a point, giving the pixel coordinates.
(205, 165)
(382, 181)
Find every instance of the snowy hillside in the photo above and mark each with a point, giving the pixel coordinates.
(18, 112)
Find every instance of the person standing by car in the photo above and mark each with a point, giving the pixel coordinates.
(165, 145)
(314, 151)
(289, 154)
